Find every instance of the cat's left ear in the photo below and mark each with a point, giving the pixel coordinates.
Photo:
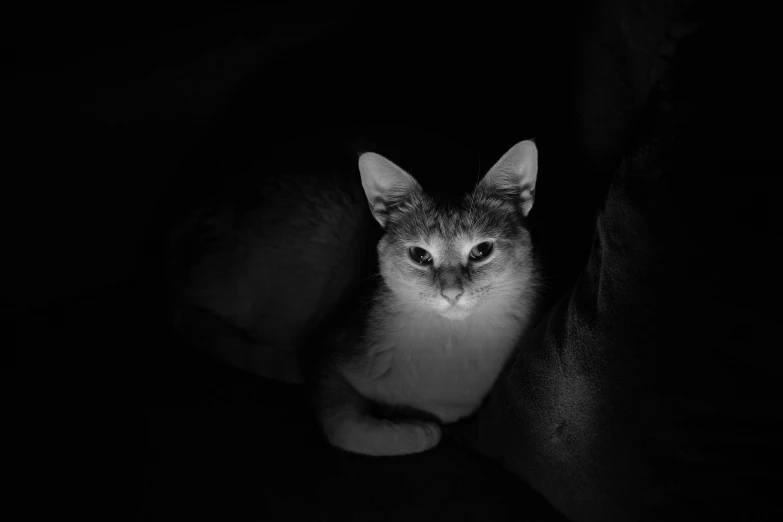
(515, 174)
(384, 183)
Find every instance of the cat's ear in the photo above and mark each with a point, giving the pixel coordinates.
(515, 174)
(384, 183)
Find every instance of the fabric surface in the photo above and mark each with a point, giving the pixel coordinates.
(647, 392)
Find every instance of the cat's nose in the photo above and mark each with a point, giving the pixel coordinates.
(451, 294)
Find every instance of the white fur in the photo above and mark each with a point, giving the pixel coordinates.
(442, 366)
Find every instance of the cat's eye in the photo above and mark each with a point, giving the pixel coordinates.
(420, 255)
(481, 251)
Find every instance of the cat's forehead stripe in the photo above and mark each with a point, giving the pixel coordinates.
(419, 217)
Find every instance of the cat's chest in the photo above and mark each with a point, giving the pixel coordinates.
(446, 371)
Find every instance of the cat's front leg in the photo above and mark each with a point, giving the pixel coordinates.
(350, 424)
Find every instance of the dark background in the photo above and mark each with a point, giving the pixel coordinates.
(116, 108)
(118, 115)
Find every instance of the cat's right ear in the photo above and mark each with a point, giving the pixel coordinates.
(515, 174)
(384, 183)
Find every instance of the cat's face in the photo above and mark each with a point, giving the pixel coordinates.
(454, 261)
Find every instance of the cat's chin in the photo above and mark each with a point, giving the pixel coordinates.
(455, 313)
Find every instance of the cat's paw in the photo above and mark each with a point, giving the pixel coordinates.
(421, 437)
(384, 438)
(406, 438)
(389, 438)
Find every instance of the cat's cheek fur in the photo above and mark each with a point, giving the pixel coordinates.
(409, 283)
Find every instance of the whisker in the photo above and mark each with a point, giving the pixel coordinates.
(373, 276)
(475, 186)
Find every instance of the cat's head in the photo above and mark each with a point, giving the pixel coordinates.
(456, 260)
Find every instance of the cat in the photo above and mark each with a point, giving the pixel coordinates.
(457, 291)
